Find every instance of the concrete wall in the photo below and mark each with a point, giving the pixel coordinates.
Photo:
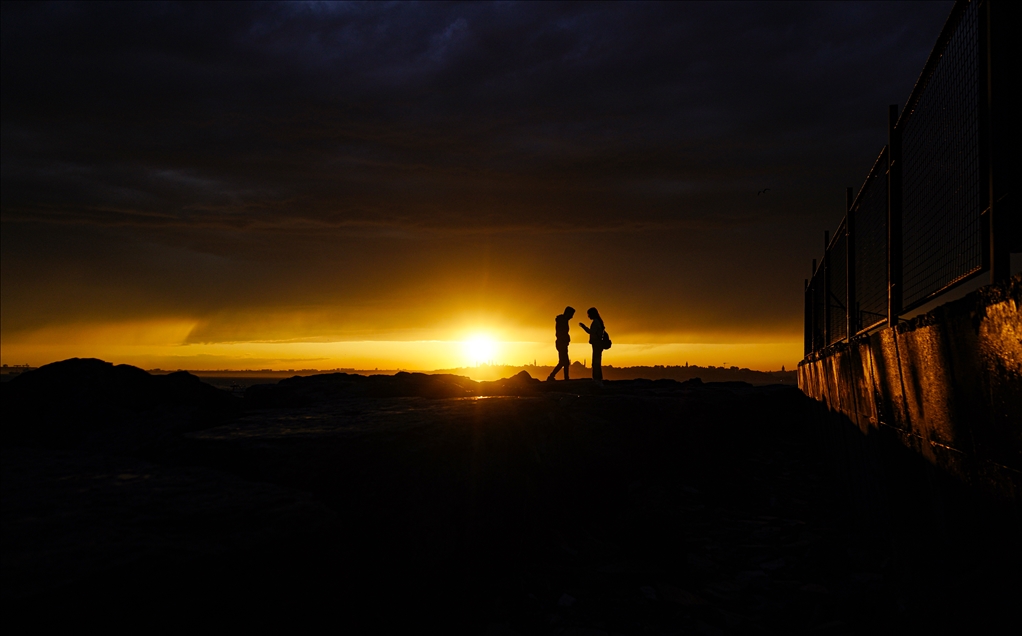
(946, 384)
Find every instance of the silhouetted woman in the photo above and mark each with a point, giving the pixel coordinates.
(595, 331)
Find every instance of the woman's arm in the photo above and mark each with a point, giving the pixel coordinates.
(583, 325)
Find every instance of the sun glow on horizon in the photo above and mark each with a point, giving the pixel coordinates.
(480, 349)
(164, 344)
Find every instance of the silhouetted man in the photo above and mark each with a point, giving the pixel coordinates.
(561, 326)
(595, 331)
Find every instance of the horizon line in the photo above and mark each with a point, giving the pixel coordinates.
(27, 367)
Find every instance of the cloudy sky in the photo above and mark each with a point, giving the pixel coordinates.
(322, 185)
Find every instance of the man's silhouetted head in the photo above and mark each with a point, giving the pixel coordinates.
(569, 311)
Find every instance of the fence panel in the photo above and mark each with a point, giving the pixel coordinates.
(941, 172)
(837, 272)
(870, 253)
(819, 309)
(807, 322)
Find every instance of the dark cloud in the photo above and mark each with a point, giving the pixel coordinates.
(281, 132)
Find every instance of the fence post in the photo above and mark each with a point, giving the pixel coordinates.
(893, 216)
(851, 315)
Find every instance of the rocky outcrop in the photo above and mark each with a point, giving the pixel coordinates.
(315, 389)
(62, 404)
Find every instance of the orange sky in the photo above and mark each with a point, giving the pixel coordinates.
(291, 298)
(166, 344)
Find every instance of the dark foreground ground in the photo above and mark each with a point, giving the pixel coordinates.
(378, 505)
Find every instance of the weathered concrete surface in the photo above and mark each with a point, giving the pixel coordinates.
(947, 384)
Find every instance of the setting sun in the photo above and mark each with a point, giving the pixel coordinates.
(479, 349)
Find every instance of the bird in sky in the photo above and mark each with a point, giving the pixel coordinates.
(762, 191)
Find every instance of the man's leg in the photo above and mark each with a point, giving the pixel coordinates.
(560, 363)
(564, 361)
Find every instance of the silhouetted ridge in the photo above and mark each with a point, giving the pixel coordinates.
(60, 403)
(299, 391)
(305, 390)
(519, 384)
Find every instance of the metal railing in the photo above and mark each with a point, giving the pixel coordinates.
(922, 222)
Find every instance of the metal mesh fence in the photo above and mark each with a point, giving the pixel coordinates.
(870, 251)
(807, 324)
(819, 309)
(836, 272)
(933, 193)
(942, 190)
